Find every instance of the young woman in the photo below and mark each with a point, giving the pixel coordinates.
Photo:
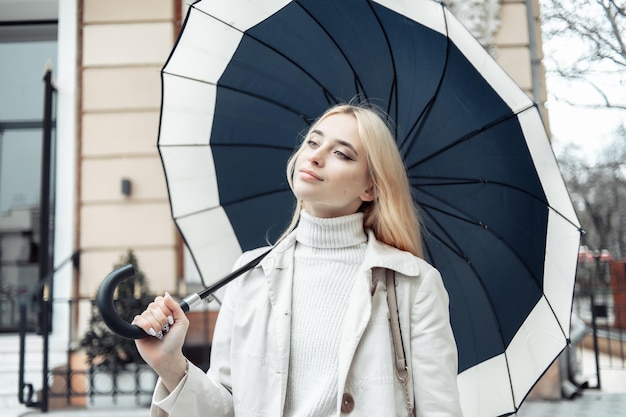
(307, 332)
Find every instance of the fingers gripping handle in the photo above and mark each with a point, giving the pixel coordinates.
(104, 301)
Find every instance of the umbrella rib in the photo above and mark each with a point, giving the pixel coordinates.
(480, 282)
(241, 200)
(357, 81)
(327, 93)
(306, 118)
(227, 145)
(393, 91)
(482, 285)
(469, 181)
(414, 130)
(470, 135)
(454, 248)
(186, 77)
(468, 219)
(457, 250)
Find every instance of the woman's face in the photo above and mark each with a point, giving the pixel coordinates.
(331, 174)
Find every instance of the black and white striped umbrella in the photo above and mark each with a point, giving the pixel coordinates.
(245, 77)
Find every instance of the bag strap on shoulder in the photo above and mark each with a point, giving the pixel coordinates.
(402, 369)
(394, 321)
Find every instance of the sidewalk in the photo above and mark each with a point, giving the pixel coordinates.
(91, 412)
(590, 404)
(610, 401)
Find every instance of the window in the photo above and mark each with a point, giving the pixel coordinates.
(27, 47)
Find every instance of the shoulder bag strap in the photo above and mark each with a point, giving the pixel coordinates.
(402, 370)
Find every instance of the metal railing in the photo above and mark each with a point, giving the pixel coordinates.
(95, 386)
(81, 382)
(599, 301)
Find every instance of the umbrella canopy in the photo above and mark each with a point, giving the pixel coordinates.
(246, 77)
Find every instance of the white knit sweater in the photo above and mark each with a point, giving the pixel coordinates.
(327, 257)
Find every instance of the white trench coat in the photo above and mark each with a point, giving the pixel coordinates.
(250, 351)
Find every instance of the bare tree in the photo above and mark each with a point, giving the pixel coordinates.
(598, 192)
(589, 45)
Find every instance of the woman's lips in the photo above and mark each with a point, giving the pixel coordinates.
(307, 174)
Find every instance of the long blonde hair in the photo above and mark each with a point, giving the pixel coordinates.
(392, 215)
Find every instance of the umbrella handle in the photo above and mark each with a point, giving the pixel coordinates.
(104, 298)
(104, 301)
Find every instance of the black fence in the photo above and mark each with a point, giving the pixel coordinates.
(599, 317)
(94, 387)
(82, 382)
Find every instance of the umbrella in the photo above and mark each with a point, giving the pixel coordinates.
(245, 77)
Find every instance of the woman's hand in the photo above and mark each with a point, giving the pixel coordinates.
(167, 325)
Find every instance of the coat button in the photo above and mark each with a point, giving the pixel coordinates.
(347, 403)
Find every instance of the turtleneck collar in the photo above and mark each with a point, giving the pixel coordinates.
(335, 232)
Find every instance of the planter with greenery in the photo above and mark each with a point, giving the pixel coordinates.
(116, 368)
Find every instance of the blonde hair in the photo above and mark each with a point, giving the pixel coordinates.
(392, 215)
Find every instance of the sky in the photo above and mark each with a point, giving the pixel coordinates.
(590, 129)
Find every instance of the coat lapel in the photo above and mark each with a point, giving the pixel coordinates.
(278, 270)
(360, 308)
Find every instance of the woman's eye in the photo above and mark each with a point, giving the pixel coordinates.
(311, 143)
(342, 155)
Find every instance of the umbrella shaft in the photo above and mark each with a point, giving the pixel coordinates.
(192, 300)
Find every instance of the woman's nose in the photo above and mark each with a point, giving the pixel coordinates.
(316, 157)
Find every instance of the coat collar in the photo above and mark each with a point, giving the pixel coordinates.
(377, 255)
(281, 256)
(381, 255)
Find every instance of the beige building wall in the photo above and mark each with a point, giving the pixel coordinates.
(512, 41)
(124, 46)
(513, 47)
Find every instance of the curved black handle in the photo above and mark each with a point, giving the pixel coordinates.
(104, 301)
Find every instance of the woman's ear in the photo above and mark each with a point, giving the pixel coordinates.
(369, 194)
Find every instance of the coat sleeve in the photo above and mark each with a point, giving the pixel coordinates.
(198, 395)
(433, 349)
(201, 394)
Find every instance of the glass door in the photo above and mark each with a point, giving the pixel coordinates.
(26, 50)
